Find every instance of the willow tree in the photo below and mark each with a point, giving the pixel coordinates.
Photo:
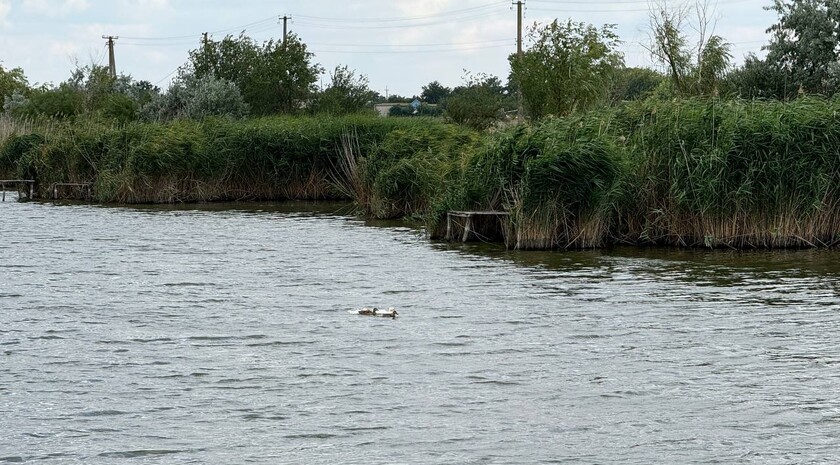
(568, 67)
(692, 70)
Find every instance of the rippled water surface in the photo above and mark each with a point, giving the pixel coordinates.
(222, 335)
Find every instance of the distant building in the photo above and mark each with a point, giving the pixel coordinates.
(384, 109)
(406, 109)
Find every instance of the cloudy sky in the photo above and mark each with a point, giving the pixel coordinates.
(400, 45)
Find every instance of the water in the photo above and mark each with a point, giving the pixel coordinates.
(222, 335)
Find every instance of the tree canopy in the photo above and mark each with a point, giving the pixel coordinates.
(346, 93)
(805, 43)
(274, 77)
(568, 67)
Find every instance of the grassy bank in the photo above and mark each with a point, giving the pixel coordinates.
(211, 160)
(702, 173)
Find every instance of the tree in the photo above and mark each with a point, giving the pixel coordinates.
(634, 83)
(11, 81)
(805, 43)
(435, 93)
(63, 101)
(275, 77)
(347, 93)
(568, 67)
(758, 78)
(196, 98)
(478, 103)
(692, 71)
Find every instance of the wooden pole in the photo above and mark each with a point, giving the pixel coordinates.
(520, 110)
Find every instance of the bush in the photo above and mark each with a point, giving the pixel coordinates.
(197, 98)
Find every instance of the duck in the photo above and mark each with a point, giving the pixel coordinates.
(366, 311)
(390, 313)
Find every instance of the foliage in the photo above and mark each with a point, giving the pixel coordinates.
(435, 93)
(688, 172)
(478, 104)
(197, 98)
(15, 103)
(758, 78)
(12, 81)
(757, 174)
(405, 110)
(692, 71)
(558, 179)
(61, 102)
(212, 159)
(14, 149)
(567, 68)
(275, 77)
(347, 93)
(634, 83)
(90, 90)
(804, 43)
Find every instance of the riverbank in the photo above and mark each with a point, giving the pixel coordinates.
(692, 173)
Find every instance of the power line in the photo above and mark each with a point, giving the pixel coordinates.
(323, 19)
(329, 25)
(221, 31)
(396, 52)
(402, 19)
(443, 44)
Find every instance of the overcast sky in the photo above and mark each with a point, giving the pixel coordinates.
(400, 45)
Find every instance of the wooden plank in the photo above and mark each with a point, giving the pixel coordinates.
(470, 226)
(84, 185)
(18, 183)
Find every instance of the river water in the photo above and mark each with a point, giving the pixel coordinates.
(221, 334)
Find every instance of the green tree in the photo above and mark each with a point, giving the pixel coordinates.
(478, 104)
(696, 70)
(273, 77)
(634, 83)
(758, 78)
(435, 93)
(804, 44)
(568, 67)
(11, 81)
(347, 93)
(63, 101)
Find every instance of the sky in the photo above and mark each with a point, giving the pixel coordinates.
(400, 45)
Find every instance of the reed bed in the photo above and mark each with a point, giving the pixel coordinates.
(738, 174)
(187, 161)
(692, 173)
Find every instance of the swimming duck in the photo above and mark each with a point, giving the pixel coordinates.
(390, 313)
(366, 311)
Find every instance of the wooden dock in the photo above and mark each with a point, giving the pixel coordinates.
(82, 190)
(477, 226)
(25, 188)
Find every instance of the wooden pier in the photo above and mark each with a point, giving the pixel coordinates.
(477, 226)
(25, 188)
(82, 190)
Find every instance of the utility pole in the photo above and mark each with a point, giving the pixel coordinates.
(285, 19)
(520, 110)
(519, 28)
(112, 64)
(205, 39)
